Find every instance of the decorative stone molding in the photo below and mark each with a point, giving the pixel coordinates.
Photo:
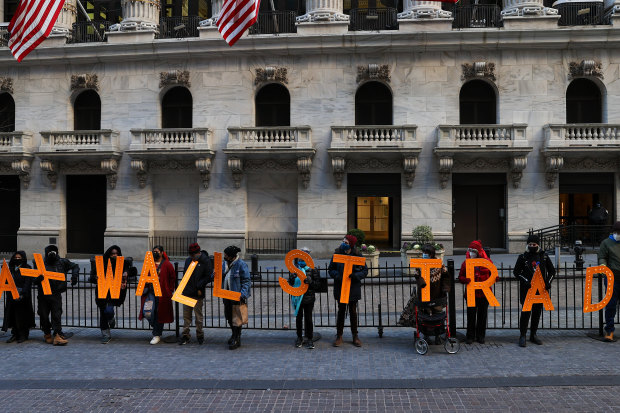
(174, 78)
(338, 167)
(141, 167)
(139, 15)
(236, 167)
(420, 9)
(216, 8)
(110, 167)
(445, 170)
(585, 68)
(22, 167)
(590, 164)
(85, 81)
(517, 166)
(303, 166)
(527, 8)
(6, 84)
(478, 70)
(323, 11)
(51, 170)
(16, 154)
(373, 72)
(204, 167)
(271, 74)
(409, 165)
(66, 18)
(553, 165)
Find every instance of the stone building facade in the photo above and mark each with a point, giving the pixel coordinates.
(448, 156)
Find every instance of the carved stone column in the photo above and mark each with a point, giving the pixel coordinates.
(416, 9)
(553, 165)
(519, 162)
(204, 167)
(236, 167)
(323, 11)
(338, 167)
(445, 170)
(66, 18)
(140, 14)
(527, 8)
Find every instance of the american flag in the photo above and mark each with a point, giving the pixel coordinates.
(31, 24)
(236, 17)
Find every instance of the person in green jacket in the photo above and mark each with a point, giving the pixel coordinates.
(609, 255)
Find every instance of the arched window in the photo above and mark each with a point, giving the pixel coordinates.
(584, 103)
(273, 106)
(7, 113)
(478, 103)
(176, 108)
(87, 111)
(373, 104)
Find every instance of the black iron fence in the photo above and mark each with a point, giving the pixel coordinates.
(178, 27)
(269, 245)
(86, 32)
(564, 236)
(373, 19)
(274, 22)
(477, 16)
(174, 246)
(583, 14)
(383, 300)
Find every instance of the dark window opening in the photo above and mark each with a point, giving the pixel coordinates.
(583, 102)
(101, 10)
(176, 108)
(373, 104)
(7, 113)
(185, 8)
(273, 106)
(477, 103)
(87, 111)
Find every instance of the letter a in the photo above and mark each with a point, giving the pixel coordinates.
(485, 286)
(6, 281)
(588, 307)
(532, 297)
(288, 260)
(108, 281)
(348, 261)
(425, 265)
(149, 275)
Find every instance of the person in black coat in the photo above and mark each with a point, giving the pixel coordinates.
(195, 288)
(336, 270)
(304, 304)
(19, 315)
(52, 304)
(106, 305)
(524, 270)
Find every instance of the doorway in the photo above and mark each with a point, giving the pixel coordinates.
(9, 211)
(479, 209)
(374, 206)
(86, 213)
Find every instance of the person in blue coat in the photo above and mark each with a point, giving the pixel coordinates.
(235, 277)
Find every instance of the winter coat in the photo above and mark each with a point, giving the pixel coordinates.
(101, 302)
(167, 278)
(480, 273)
(314, 283)
(239, 277)
(526, 267)
(19, 313)
(440, 282)
(201, 276)
(359, 272)
(61, 265)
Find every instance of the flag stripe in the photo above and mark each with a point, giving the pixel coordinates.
(32, 23)
(236, 17)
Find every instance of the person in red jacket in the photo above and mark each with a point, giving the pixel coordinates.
(476, 316)
(162, 312)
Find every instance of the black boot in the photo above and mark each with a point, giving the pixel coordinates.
(534, 339)
(522, 341)
(236, 339)
(232, 335)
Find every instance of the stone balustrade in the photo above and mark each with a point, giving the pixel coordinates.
(15, 141)
(374, 136)
(423, 9)
(462, 136)
(104, 140)
(16, 154)
(170, 139)
(140, 15)
(323, 10)
(270, 137)
(582, 135)
(527, 8)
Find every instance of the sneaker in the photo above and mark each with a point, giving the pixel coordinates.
(535, 339)
(59, 340)
(309, 344)
(609, 337)
(201, 340)
(522, 342)
(112, 322)
(48, 338)
(105, 336)
(299, 342)
(184, 340)
(12, 339)
(155, 339)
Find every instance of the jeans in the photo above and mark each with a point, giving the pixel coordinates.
(610, 308)
(477, 319)
(305, 314)
(158, 328)
(50, 304)
(525, 317)
(187, 318)
(342, 311)
(105, 315)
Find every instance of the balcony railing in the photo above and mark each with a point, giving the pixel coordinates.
(178, 27)
(481, 136)
(170, 139)
(14, 141)
(373, 19)
(583, 135)
(79, 141)
(477, 16)
(373, 136)
(274, 22)
(270, 137)
(85, 32)
(582, 14)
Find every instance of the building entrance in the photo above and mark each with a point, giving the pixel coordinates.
(9, 211)
(86, 213)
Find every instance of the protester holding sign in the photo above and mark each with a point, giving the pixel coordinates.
(19, 315)
(336, 271)
(609, 255)
(304, 304)
(524, 270)
(476, 316)
(161, 311)
(195, 288)
(237, 279)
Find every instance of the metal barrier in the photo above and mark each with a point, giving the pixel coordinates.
(373, 19)
(564, 236)
(178, 27)
(274, 22)
(583, 14)
(175, 246)
(84, 32)
(477, 16)
(383, 300)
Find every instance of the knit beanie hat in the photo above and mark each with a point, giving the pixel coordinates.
(352, 240)
(533, 238)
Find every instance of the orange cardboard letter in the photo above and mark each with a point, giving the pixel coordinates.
(349, 261)
(588, 307)
(425, 265)
(149, 275)
(108, 281)
(485, 286)
(178, 293)
(47, 275)
(6, 281)
(288, 260)
(218, 291)
(532, 297)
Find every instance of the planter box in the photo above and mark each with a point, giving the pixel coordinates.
(372, 262)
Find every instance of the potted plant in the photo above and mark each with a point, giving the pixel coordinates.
(371, 254)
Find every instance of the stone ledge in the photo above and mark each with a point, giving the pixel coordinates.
(531, 22)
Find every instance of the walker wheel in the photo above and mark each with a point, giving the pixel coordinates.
(421, 346)
(452, 345)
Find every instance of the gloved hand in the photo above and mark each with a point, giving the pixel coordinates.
(528, 285)
(422, 283)
(242, 300)
(307, 280)
(39, 278)
(74, 281)
(467, 280)
(547, 285)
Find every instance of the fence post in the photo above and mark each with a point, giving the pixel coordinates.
(452, 300)
(601, 311)
(176, 303)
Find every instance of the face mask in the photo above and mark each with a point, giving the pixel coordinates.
(302, 264)
(156, 255)
(473, 254)
(52, 256)
(616, 237)
(425, 255)
(532, 249)
(345, 247)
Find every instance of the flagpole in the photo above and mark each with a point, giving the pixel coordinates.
(89, 20)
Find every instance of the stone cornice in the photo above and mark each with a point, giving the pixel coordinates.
(597, 37)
